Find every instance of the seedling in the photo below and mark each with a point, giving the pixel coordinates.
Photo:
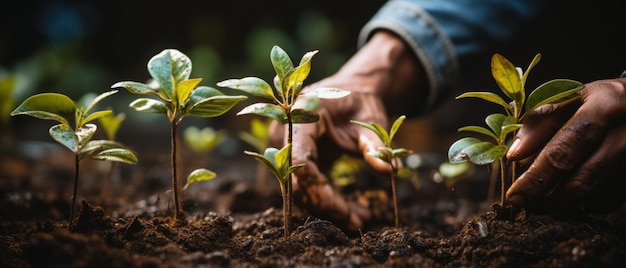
(111, 123)
(76, 136)
(388, 154)
(259, 138)
(502, 127)
(288, 88)
(177, 97)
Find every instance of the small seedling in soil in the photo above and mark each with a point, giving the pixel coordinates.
(177, 97)
(288, 84)
(74, 130)
(502, 127)
(388, 154)
(259, 138)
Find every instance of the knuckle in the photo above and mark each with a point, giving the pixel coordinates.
(561, 156)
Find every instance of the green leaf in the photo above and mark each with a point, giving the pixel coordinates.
(251, 85)
(214, 106)
(199, 175)
(270, 110)
(507, 78)
(395, 127)
(480, 130)
(456, 154)
(554, 91)
(111, 124)
(400, 152)
(84, 134)
(281, 62)
(377, 129)
(168, 68)
(494, 121)
(65, 135)
(117, 155)
(298, 74)
(98, 99)
(184, 88)
(327, 93)
(488, 96)
(150, 106)
(99, 145)
(139, 88)
(268, 159)
(302, 116)
(202, 140)
(49, 106)
(485, 152)
(96, 115)
(534, 62)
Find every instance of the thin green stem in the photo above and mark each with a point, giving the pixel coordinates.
(503, 181)
(73, 206)
(288, 209)
(396, 213)
(178, 212)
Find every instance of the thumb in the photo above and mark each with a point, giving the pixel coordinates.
(370, 144)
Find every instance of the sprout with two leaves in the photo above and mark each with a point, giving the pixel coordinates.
(389, 155)
(75, 131)
(288, 84)
(502, 127)
(178, 97)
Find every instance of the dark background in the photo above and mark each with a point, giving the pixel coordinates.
(77, 47)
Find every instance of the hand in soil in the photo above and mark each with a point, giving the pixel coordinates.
(379, 77)
(579, 148)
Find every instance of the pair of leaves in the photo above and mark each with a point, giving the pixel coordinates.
(512, 83)
(288, 83)
(60, 108)
(277, 161)
(386, 153)
(176, 92)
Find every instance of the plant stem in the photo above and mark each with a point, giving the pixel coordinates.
(287, 201)
(394, 195)
(503, 181)
(178, 212)
(73, 205)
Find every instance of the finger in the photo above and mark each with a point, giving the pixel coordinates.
(538, 127)
(369, 145)
(560, 157)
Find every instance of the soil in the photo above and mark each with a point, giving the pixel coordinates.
(127, 222)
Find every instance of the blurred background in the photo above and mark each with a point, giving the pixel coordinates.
(80, 47)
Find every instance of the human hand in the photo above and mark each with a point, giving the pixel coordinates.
(577, 149)
(380, 72)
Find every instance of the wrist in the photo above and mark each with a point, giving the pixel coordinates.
(386, 66)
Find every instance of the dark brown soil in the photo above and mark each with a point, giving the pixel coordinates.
(230, 223)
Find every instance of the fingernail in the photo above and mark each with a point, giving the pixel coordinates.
(513, 149)
(517, 200)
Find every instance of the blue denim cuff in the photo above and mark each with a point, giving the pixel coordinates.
(431, 45)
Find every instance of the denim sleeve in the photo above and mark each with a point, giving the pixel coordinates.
(440, 32)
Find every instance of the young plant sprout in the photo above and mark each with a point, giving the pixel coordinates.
(259, 138)
(74, 130)
(177, 97)
(111, 123)
(389, 155)
(288, 88)
(502, 127)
